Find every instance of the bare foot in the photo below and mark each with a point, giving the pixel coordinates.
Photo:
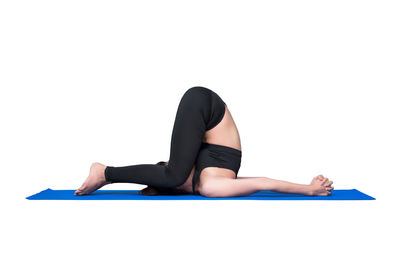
(94, 181)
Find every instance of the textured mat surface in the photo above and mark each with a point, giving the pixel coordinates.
(49, 194)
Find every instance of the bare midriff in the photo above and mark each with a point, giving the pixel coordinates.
(224, 134)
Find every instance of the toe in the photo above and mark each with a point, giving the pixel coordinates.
(82, 188)
(79, 192)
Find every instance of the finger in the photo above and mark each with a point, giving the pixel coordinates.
(324, 181)
(329, 183)
(328, 188)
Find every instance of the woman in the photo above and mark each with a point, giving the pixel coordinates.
(205, 157)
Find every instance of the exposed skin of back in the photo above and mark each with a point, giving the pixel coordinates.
(221, 182)
(225, 133)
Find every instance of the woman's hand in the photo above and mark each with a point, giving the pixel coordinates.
(320, 186)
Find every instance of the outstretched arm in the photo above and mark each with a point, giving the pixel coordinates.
(242, 186)
(320, 186)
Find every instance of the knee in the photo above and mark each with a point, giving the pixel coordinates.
(177, 182)
(176, 178)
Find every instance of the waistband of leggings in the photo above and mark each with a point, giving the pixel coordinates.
(223, 148)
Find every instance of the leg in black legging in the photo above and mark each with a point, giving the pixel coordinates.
(198, 111)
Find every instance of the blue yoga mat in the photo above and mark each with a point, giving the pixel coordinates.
(49, 194)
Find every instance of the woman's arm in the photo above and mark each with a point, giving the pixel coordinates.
(320, 186)
(243, 186)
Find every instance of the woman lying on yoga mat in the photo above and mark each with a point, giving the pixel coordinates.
(205, 157)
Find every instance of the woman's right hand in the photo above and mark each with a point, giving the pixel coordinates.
(320, 186)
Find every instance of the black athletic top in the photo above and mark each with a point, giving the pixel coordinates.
(199, 110)
(212, 155)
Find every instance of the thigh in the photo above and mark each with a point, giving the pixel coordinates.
(188, 131)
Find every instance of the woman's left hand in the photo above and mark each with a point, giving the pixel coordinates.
(320, 186)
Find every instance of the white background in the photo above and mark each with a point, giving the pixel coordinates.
(312, 87)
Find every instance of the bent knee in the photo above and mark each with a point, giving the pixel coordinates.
(176, 182)
(176, 179)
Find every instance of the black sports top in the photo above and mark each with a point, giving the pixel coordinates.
(212, 155)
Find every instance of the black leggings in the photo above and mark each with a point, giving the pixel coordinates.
(199, 110)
